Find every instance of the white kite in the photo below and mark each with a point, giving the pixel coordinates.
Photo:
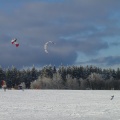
(14, 41)
(46, 45)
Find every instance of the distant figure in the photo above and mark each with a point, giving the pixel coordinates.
(4, 86)
(21, 86)
(112, 97)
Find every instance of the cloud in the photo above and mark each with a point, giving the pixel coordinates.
(115, 43)
(74, 25)
(104, 61)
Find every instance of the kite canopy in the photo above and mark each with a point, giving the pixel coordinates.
(17, 44)
(14, 41)
(46, 45)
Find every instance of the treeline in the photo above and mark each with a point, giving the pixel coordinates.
(63, 77)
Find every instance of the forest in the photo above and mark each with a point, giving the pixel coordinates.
(62, 77)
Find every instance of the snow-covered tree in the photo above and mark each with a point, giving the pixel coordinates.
(96, 81)
(72, 83)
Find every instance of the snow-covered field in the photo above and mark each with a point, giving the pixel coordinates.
(59, 105)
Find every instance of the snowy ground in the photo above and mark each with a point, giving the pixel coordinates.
(59, 105)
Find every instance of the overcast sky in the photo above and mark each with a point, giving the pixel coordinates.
(86, 32)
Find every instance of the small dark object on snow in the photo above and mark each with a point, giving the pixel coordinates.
(112, 97)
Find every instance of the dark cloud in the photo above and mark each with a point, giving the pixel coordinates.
(92, 46)
(104, 61)
(115, 43)
(74, 25)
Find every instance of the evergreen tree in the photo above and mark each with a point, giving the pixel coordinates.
(2, 75)
(118, 74)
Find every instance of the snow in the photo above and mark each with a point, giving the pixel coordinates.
(59, 105)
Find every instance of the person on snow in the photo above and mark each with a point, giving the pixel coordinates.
(4, 86)
(112, 97)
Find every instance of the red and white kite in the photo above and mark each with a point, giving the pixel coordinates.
(14, 41)
(17, 44)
